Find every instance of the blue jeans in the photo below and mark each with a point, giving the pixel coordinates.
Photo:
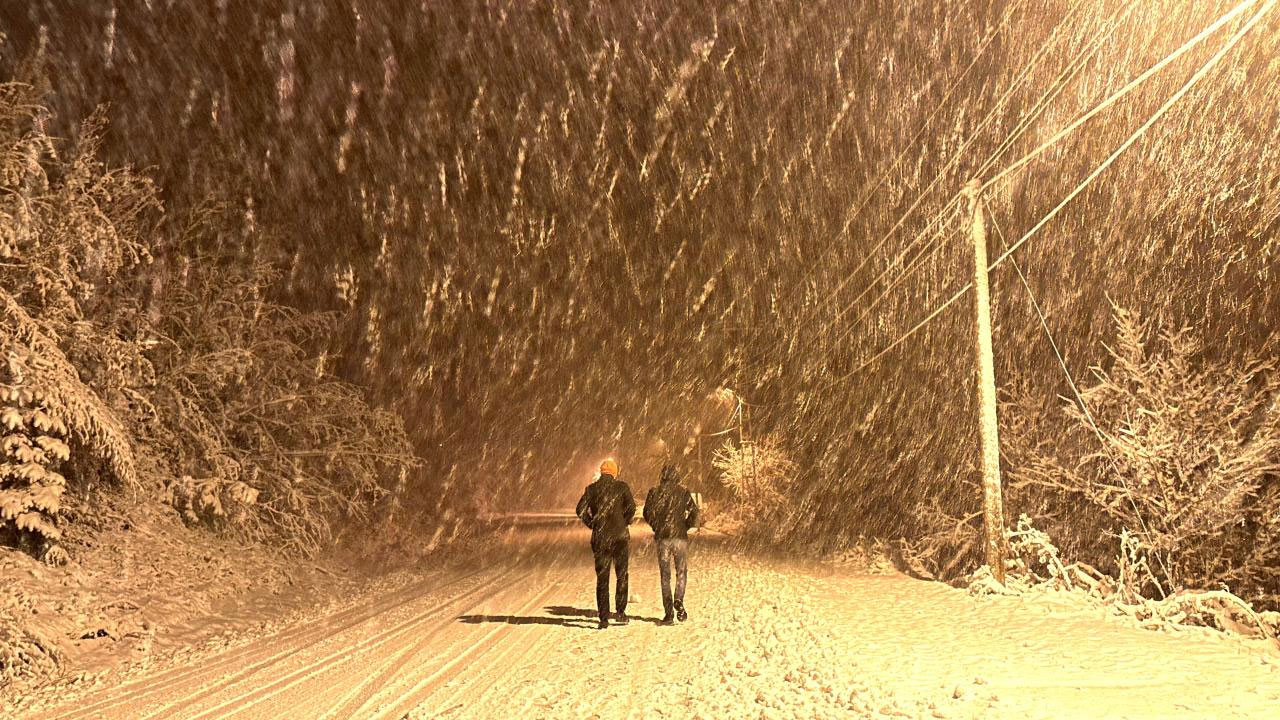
(673, 552)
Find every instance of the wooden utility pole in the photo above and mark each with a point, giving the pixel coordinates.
(701, 473)
(992, 504)
(743, 434)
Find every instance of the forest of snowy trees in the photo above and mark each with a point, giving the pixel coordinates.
(326, 263)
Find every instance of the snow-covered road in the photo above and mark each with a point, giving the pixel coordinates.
(772, 639)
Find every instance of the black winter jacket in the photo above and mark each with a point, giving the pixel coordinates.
(670, 511)
(607, 507)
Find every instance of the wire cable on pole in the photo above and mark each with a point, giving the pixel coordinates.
(1115, 97)
(1026, 70)
(1129, 141)
(929, 121)
(1060, 83)
(1084, 407)
(901, 338)
(1159, 113)
(910, 270)
(880, 179)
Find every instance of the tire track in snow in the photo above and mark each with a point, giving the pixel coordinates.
(640, 665)
(359, 695)
(401, 705)
(254, 696)
(300, 638)
(638, 668)
(513, 653)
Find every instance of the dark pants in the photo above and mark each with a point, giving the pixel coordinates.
(672, 554)
(615, 552)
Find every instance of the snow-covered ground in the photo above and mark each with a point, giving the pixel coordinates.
(515, 638)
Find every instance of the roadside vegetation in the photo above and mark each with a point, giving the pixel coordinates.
(526, 267)
(143, 354)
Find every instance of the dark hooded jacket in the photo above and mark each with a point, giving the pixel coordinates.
(607, 507)
(669, 508)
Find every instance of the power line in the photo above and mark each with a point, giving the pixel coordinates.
(915, 264)
(955, 84)
(901, 154)
(918, 261)
(1058, 136)
(902, 338)
(1038, 109)
(1059, 84)
(1041, 51)
(1102, 438)
(1173, 99)
(1114, 97)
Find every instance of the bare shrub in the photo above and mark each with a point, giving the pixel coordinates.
(225, 389)
(263, 439)
(758, 475)
(24, 653)
(1035, 565)
(947, 545)
(1183, 462)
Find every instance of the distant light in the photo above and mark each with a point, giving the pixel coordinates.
(725, 396)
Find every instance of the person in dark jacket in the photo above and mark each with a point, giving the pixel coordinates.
(607, 507)
(670, 511)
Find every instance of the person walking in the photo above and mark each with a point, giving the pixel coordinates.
(670, 510)
(607, 507)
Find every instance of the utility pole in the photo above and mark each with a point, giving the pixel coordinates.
(743, 434)
(701, 472)
(742, 423)
(992, 504)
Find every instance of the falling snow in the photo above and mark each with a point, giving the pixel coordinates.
(730, 235)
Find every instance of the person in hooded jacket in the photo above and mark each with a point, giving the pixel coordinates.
(670, 510)
(607, 507)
